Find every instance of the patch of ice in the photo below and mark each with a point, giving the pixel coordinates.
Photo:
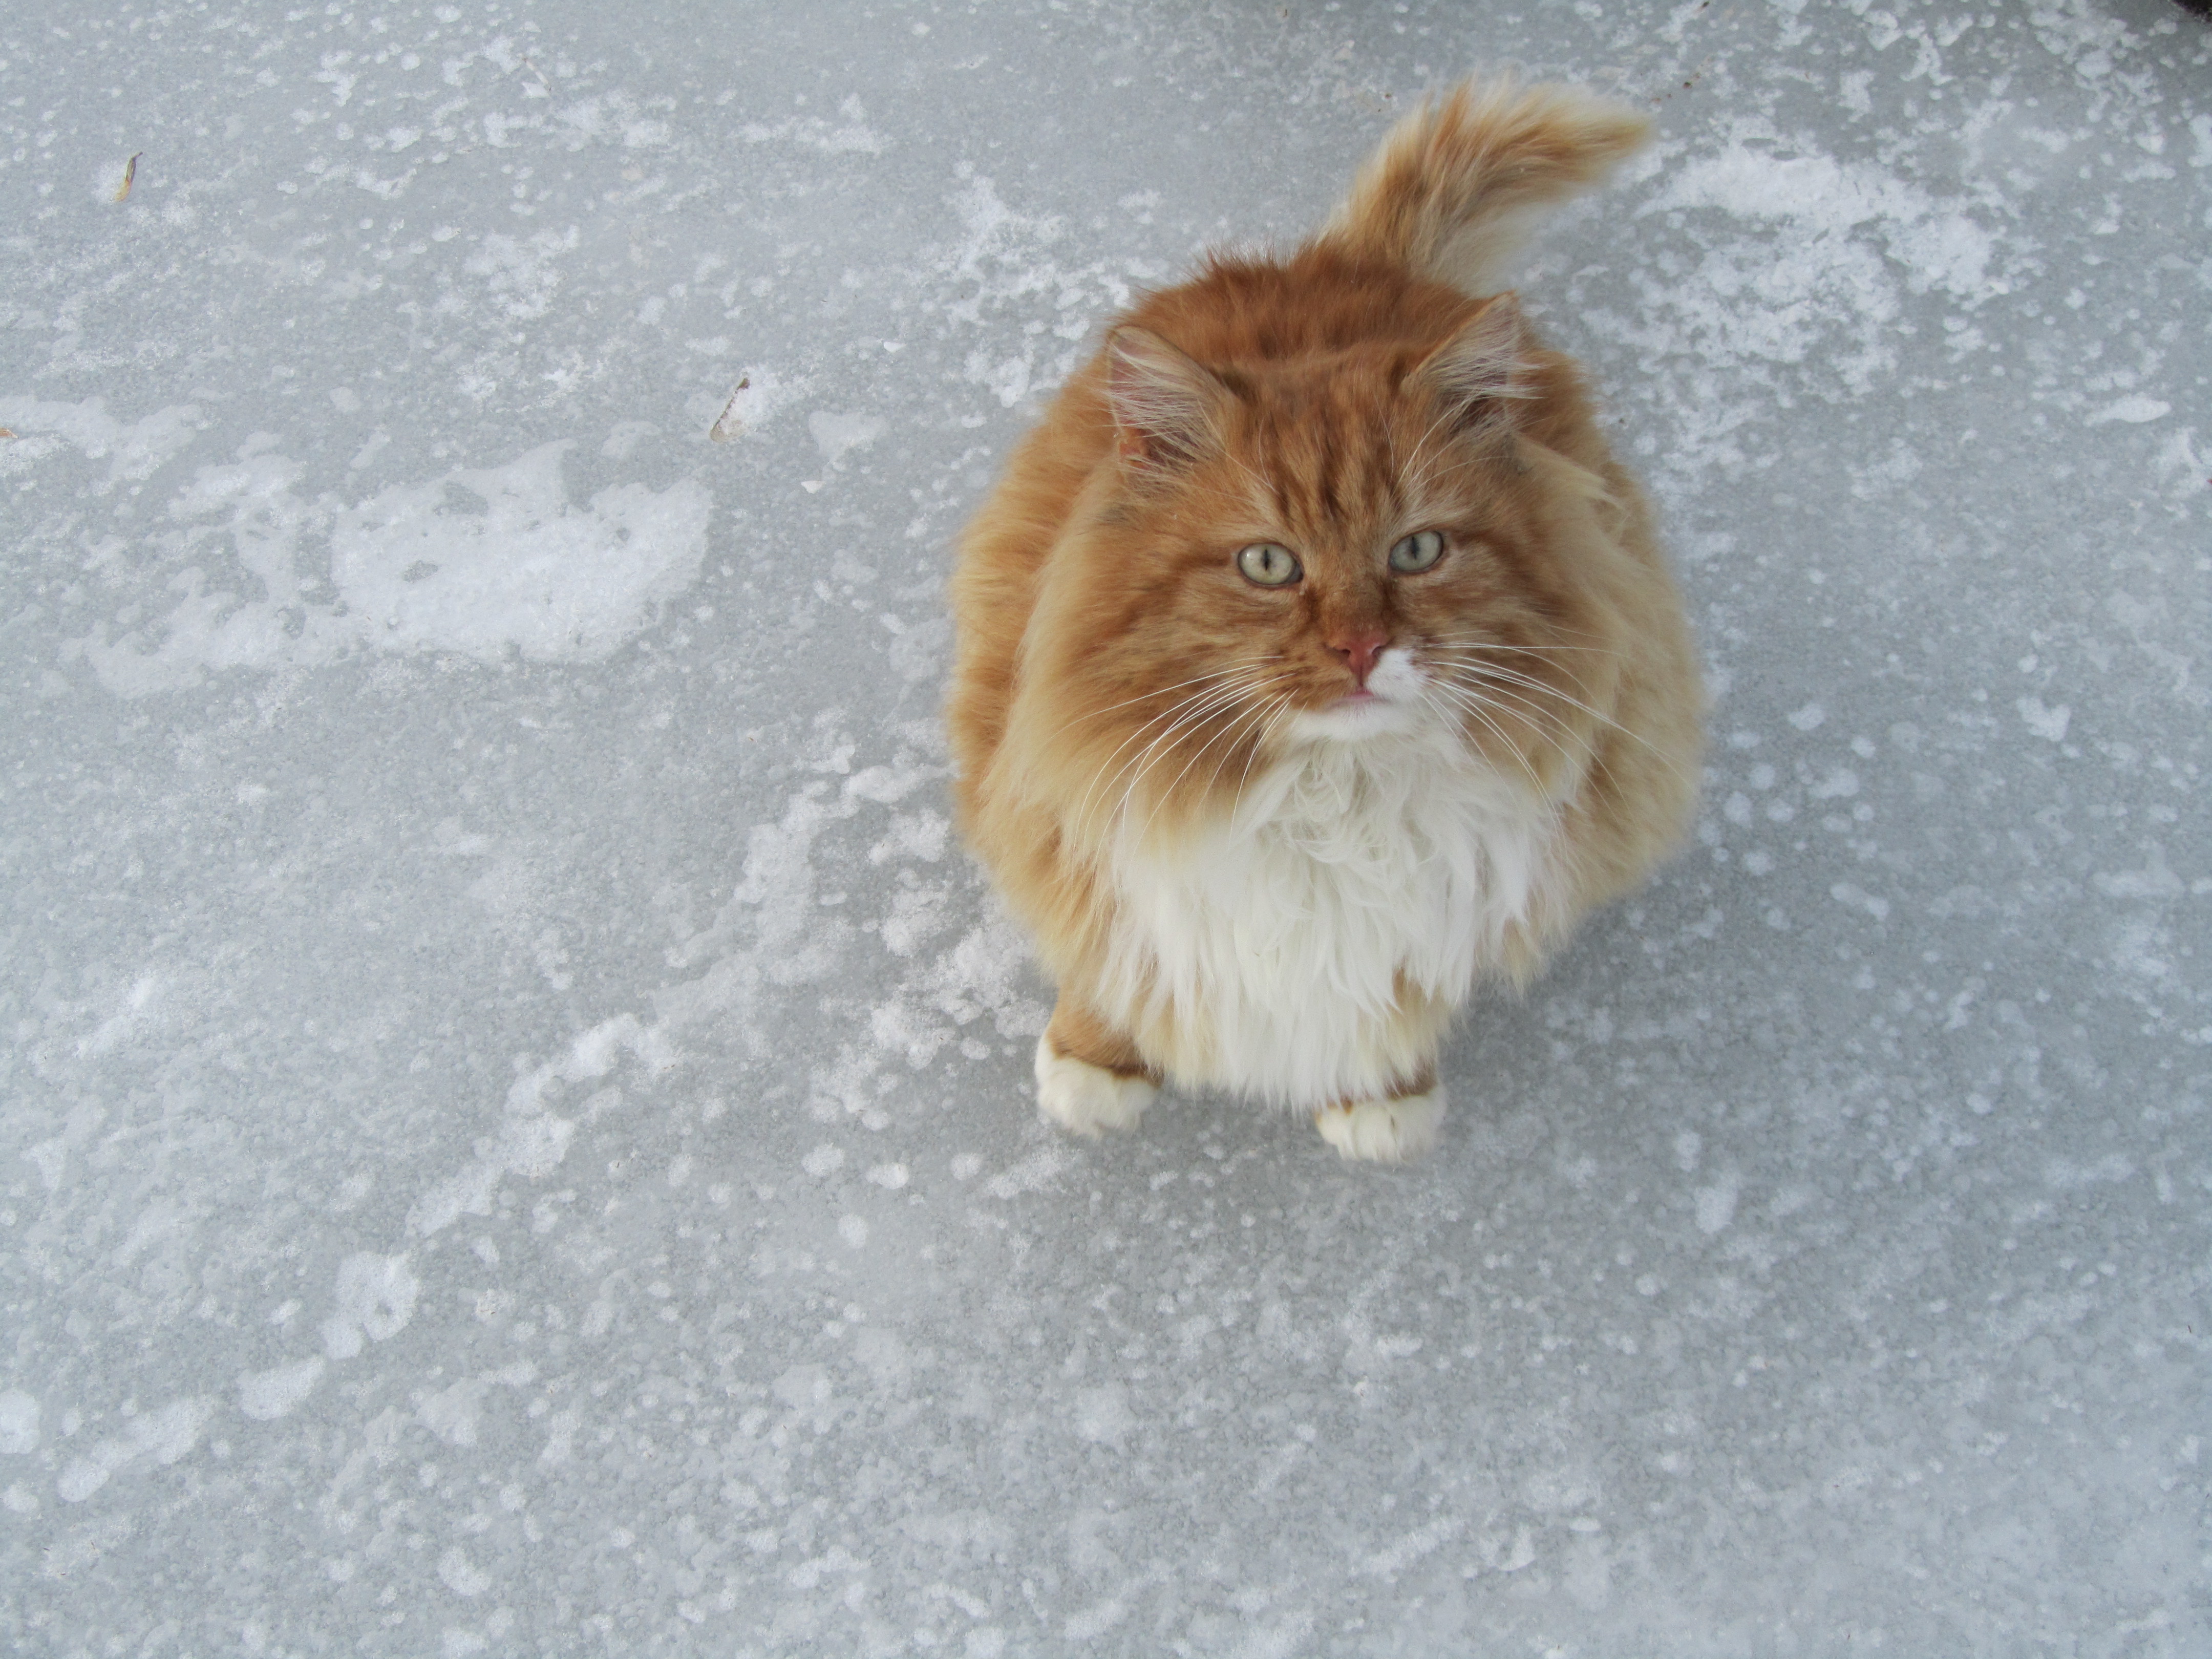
(531, 1139)
(1858, 898)
(854, 137)
(415, 570)
(375, 1297)
(522, 276)
(1040, 1169)
(1717, 1203)
(269, 1393)
(134, 452)
(1826, 200)
(2134, 410)
(165, 1435)
(19, 1424)
(2154, 881)
(760, 395)
(838, 436)
(531, 571)
(460, 1575)
(1103, 1415)
(2048, 724)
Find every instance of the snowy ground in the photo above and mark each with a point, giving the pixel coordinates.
(517, 1131)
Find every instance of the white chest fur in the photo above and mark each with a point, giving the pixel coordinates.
(1309, 950)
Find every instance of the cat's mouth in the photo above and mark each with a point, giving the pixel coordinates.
(1357, 716)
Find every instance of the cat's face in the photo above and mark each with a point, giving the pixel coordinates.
(1337, 550)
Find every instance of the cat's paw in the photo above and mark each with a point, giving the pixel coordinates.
(1384, 1131)
(1083, 1098)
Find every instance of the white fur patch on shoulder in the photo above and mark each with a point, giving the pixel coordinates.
(1083, 1098)
(1384, 1131)
(1311, 948)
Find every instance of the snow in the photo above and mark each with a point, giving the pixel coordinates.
(518, 1124)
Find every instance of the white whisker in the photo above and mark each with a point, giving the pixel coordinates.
(1167, 793)
(1162, 691)
(1473, 706)
(1497, 673)
(1187, 715)
(1155, 747)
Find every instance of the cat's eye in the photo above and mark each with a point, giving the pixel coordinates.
(1418, 552)
(1266, 565)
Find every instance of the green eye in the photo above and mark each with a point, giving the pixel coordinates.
(1418, 552)
(1266, 565)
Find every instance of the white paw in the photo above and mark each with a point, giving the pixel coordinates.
(1085, 1099)
(1384, 1131)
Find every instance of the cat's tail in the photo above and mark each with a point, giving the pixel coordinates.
(1460, 183)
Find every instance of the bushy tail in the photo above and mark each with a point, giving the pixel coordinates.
(1458, 185)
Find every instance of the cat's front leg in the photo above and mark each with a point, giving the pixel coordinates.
(1396, 1129)
(1090, 1076)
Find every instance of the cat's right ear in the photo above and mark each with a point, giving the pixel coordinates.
(1166, 406)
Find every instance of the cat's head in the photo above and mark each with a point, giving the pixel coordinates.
(1348, 546)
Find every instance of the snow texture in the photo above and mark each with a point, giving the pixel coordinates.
(518, 1124)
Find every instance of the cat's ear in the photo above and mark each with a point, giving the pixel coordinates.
(1166, 406)
(1482, 371)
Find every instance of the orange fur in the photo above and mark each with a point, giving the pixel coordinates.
(1120, 685)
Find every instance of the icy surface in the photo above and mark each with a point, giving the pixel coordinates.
(517, 1127)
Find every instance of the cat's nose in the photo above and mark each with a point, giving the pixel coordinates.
(1360, 650)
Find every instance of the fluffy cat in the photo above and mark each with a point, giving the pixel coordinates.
(1316, 659)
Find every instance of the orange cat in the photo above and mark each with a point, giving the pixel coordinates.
(1316, 660)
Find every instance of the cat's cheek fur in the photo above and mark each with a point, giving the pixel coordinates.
(1086, 1099)
(1384, 1131)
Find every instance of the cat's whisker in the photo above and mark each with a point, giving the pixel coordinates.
(1143, 696)
(1497, 673)
(1172, 713)
(1136, 772)
(1479, 685)
(1200, 753)
(1483, 669)
(1521, 707)
(1477, 642)
(1472, 663)
(1284, 706)
(1217, 675)
(1503, 694)
(1544, 656)
(1478, 659)
(1202, 709)
(1491, 714)
(1156, 744)
(1263, 713)
(1102, 785)
(1499, 682)
(1168, 793)
(1474, 707)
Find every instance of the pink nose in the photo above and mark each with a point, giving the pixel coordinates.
(1360, 650)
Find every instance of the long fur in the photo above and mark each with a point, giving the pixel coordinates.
(1247, 867)
(1310, 947)
(1460, 185)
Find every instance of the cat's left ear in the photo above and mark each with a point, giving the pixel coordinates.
(1482, 371)
(1166, 405)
